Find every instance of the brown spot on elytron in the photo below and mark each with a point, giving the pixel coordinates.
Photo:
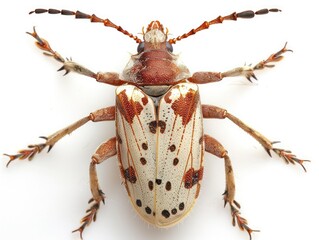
(162, 126)
(143, 161)
(166, 213)
(148, 210)
(129, 174)
(181, 206)
(185, 106)
(158, 181)
(192, 177)
(168, 186)
(138, 202)
(144, 146)
(151, 185)
(174, 211)
(175, 161)
(172, 148)
(152, 126)
(127, 107)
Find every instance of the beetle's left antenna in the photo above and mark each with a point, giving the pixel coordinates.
(93, 18)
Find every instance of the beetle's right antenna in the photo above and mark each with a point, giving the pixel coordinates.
(93, 18)
(220, 19)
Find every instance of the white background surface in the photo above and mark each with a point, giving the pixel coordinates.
(46, 198)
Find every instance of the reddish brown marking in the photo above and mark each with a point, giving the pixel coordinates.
(144, 100)
(144, 146)
(162, 126)
(175, 161)
(129, 174)
(185, 106)
(152, 126)
(125, 183)
(128, 108)
(167, 97)
(143, 161)
(172, 148)
(192, 177)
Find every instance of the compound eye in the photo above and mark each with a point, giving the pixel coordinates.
(140, 47)
(169, 47)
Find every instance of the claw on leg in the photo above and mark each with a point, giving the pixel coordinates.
(45, 46)
(289, 157)
(237, 219)
(90, 217)
(276, 57)
(30, 152)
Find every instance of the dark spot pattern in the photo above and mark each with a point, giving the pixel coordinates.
(174, 211)
(175, 161)
(144, 146)
(162, 126)
(143, 161)
(138, 202)
(158, 181)
(151, 185)
(172, 148)
(148, 210)
(168, 186)
(129, 174)
(181, 206)
(166, 213)
(192, 177)
(152, 126)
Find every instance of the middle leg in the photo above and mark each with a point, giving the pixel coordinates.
(210, 111)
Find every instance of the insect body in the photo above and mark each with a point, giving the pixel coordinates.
(158, 115)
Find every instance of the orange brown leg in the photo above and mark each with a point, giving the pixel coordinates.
(246, 71)
(104, 114)
(214, 147)
(70, 66)
(210, 111)
(103, 152)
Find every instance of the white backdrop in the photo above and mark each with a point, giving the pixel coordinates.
(46, 198)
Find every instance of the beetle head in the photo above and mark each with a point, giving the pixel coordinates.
(155, 37)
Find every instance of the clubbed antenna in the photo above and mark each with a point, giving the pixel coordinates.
(220, 19)
(93, 18)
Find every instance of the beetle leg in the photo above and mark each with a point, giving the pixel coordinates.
(210, 111)
(70, 66)
(214, 147)
(104, 114)
(246, 71)
(104, 151)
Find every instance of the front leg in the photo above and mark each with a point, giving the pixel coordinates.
(70, 66)
(246, 71)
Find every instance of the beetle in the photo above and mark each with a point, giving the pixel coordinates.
(160, 141)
